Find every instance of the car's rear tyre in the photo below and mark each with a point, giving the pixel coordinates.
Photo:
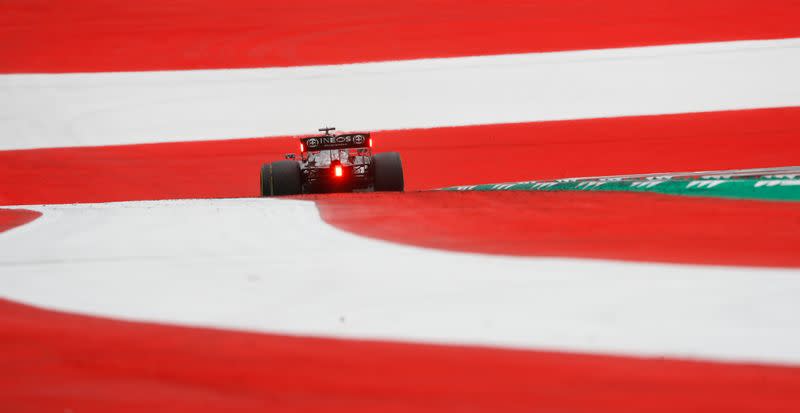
(281, 178)
(388, 171)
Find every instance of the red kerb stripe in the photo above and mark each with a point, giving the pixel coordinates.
(60, 362)
(432, 158)
(109, 35)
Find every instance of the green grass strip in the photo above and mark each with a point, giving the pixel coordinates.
(738, 188)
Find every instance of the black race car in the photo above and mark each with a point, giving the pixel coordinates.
(333, 163)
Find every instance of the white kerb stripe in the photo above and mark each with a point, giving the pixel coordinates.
(118, 108)
(274, 266)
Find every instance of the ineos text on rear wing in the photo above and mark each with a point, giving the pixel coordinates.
(354, 140)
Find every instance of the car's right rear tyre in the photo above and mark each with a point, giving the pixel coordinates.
(281, 178)
(388, 172)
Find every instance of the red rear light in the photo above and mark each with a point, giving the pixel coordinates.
(370, 142)
(337, 170)
(301, 147)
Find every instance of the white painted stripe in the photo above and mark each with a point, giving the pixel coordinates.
(272, 265)
(116, 108)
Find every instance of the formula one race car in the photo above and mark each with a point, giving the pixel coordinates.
(333, 163)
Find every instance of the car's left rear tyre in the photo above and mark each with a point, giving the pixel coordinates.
(281, 178)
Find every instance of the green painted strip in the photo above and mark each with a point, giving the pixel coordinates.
(787, 189)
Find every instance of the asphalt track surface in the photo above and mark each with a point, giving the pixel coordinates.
(734, 314)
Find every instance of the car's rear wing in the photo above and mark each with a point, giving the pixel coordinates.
(344, 141)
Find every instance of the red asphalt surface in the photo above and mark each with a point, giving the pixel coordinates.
(57, 362)
(39, 36)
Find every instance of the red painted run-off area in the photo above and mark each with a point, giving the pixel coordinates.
(638, 227)
(111, 35)
(621, 226)
(10, 218)
(54, 362)
(58, 362)
(432, 158)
